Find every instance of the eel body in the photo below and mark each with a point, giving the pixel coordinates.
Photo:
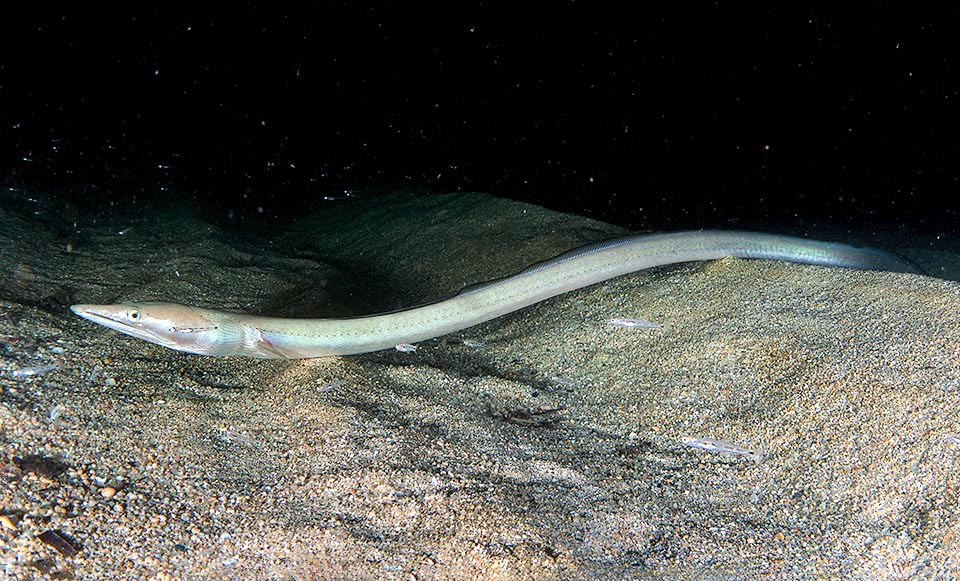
(220, 333)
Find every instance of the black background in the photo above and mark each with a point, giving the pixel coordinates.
(699, 115)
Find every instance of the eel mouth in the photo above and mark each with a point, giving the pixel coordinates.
(92, 313)
(98, 314)
(106, 315)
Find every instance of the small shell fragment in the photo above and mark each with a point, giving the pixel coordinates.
(331, 385)
(634, 323)
(31, 371)
(721, 447)
(950, 438)
(406, 348)
(56, 540)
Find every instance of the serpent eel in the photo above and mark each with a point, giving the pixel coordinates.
(220, 333)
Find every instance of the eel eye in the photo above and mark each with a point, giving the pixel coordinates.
(134, 315)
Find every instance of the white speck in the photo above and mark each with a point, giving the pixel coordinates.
(56, 412)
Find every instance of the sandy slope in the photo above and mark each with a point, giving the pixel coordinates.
(554, 451)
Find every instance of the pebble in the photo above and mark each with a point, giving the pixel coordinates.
(108, 492)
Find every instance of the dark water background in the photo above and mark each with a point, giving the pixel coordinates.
(796, 120)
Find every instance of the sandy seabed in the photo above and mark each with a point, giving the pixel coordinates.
(550, 446)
